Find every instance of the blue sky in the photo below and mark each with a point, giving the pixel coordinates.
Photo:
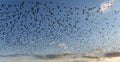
(59, 26)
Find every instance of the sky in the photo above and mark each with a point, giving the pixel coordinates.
(58, 26)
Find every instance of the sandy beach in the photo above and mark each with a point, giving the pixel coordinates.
(115, 59)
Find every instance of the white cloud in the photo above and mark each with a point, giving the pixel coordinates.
(51, 43)
(63, 45)
(106, 5)
(101, 51)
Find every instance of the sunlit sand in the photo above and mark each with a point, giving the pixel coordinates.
(114, 59)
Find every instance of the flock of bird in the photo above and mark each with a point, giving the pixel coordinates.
(26, 23)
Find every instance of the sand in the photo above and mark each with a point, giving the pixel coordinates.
(55, 60)
(115, 59)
